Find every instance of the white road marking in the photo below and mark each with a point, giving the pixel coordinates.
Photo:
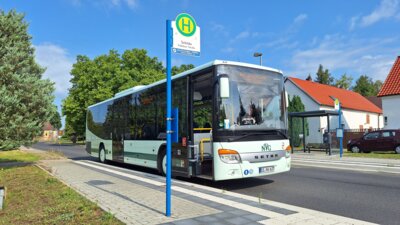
(304, 214)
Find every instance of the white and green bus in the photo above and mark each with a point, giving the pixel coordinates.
(232, 123)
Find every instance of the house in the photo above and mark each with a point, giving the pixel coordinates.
(390, 95)
(49, 132)
(358, 112)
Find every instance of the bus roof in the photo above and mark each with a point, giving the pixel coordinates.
(199, 68)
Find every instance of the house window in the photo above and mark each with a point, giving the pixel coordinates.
(386, 120)
(367, 119)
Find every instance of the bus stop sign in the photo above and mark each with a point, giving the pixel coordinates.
(186, 35)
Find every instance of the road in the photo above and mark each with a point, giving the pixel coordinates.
(373, 197)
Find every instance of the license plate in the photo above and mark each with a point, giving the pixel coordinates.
(267, 169)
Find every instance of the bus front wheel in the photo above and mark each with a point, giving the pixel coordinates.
(162, 162)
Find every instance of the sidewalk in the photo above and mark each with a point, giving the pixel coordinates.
(139, 198)
(318, 159)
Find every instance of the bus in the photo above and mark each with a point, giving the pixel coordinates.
(231, 123)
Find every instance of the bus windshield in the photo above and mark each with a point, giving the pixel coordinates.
(256, 100)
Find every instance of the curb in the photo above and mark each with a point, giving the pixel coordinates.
(349, 165)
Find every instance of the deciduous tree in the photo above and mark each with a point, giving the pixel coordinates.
(365, 86)
(182, 68)
(344, 82)
(94, 80)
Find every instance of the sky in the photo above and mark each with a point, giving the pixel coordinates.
(355, 37)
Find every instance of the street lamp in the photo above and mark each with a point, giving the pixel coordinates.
(258, 54)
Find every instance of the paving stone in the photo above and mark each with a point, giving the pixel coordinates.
(187, 222)
(207, 219)
(238, 221)
(255, 217)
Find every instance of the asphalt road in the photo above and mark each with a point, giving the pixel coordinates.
(373, 197)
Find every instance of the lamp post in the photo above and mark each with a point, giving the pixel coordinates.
(258, 54)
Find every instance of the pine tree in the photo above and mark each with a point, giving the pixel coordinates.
(296, 105)
(323, 76)
(25, 98)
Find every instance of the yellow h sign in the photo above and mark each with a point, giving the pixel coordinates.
(185, 24)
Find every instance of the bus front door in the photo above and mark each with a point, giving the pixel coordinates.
(200, 147)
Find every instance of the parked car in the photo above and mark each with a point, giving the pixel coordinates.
(383, 140)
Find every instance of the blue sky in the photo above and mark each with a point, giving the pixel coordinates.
(354, 37)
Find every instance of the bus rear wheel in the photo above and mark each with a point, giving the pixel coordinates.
(102, 155)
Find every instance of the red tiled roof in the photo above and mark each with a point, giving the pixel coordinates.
(47, 126)
(322, 94)
(392, 82)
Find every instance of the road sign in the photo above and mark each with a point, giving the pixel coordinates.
(337, 104)
(186, 35)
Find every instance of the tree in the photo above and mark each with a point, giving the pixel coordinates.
(25, 98)
(323, 76)
(182, 68)
(344, 82)
(365, 86)
(55, 118)
(296, 105)
(101, 78)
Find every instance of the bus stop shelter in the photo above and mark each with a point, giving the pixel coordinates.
(303, 115)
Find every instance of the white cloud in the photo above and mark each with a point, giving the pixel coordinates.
(218, 29)
(353, 22)
(300, 18)
(285, 39)
(355, 56)
(242, 35)
(387, 9)
(227, 50)
(132, 4)
(58, 66)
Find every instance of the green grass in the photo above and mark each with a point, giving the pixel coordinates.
(379, 155)
(35, 197)
(18, 156)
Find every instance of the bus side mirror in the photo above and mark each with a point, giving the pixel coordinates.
(287, 99)
(223, 86)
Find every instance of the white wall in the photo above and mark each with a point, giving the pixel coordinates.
(391, 110)
(309, 105)
(352, 119)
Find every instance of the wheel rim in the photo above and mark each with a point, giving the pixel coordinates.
(398, 149)
(102, 155)
(164, 164)
(355, 149)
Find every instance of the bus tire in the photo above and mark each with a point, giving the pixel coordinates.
(102, 154)
(162, 157)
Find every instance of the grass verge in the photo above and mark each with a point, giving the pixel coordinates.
(18, 156)
(34, 197)
(376, 155)
(25, 156)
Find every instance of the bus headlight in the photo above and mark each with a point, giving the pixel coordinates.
(229, 156)
(288, 150)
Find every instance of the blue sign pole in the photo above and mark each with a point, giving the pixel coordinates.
(340, 127)
(169, 120)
